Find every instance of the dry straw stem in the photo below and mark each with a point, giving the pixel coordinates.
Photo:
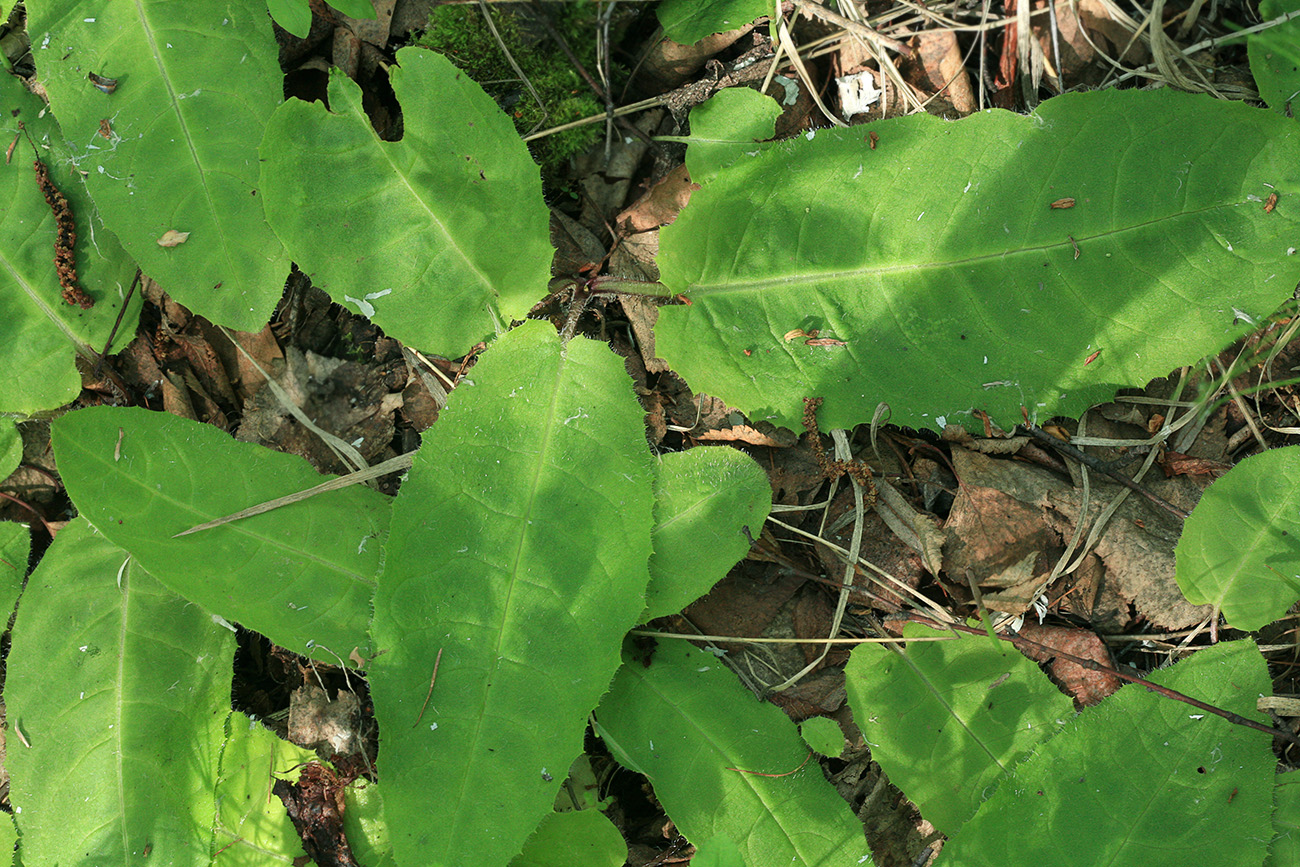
(345, 451)
(392, 465)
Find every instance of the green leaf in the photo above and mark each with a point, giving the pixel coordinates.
(363, 822)
(688, 21)
(724, 129)
(703, 499)
(440, 238)
(292, 15)
(518, 552)
(1141, 779)
(197, 82)
(301, 575)
(705, 742)
(252, 827)
(1285, 850)
(11, 447)
(947, 719)
(937, 260)
(583, 837)
(8, 840)
(717, 852)
(15, 548)
(823, 735)
(119, 686)
(1240, 547)
(354, 8)
(1275, 56)
(43, 336)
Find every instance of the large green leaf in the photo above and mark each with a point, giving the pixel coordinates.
(197, 82)
(947, 719)
(302, 575)
(1275, 56)
(518, 552)
(1240, 547)
(705, 499)
(440, 238)
(721, 762)
(43, 336)
(937, 258)
(1141, 779)
(121, 688)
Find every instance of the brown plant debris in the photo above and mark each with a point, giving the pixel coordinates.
(315, 804)
(65, 239)
(833, 469)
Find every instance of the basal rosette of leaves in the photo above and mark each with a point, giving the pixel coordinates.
(526, 573)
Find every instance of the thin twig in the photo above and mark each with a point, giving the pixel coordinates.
(1093, 463)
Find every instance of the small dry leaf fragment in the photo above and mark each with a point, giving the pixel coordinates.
(1060, 204)
(173, 238)
(107, 85)
(1057, 431)
(1270, 203)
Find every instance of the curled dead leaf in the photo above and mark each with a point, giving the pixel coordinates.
(107, 85)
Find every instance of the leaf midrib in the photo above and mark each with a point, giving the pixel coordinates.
(173, 101)
(463, 799)
(449, 239)
(859, 274)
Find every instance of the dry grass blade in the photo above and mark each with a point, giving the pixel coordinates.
(392, 465)
(345, 451)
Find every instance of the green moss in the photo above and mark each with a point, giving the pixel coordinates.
(460, 33)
